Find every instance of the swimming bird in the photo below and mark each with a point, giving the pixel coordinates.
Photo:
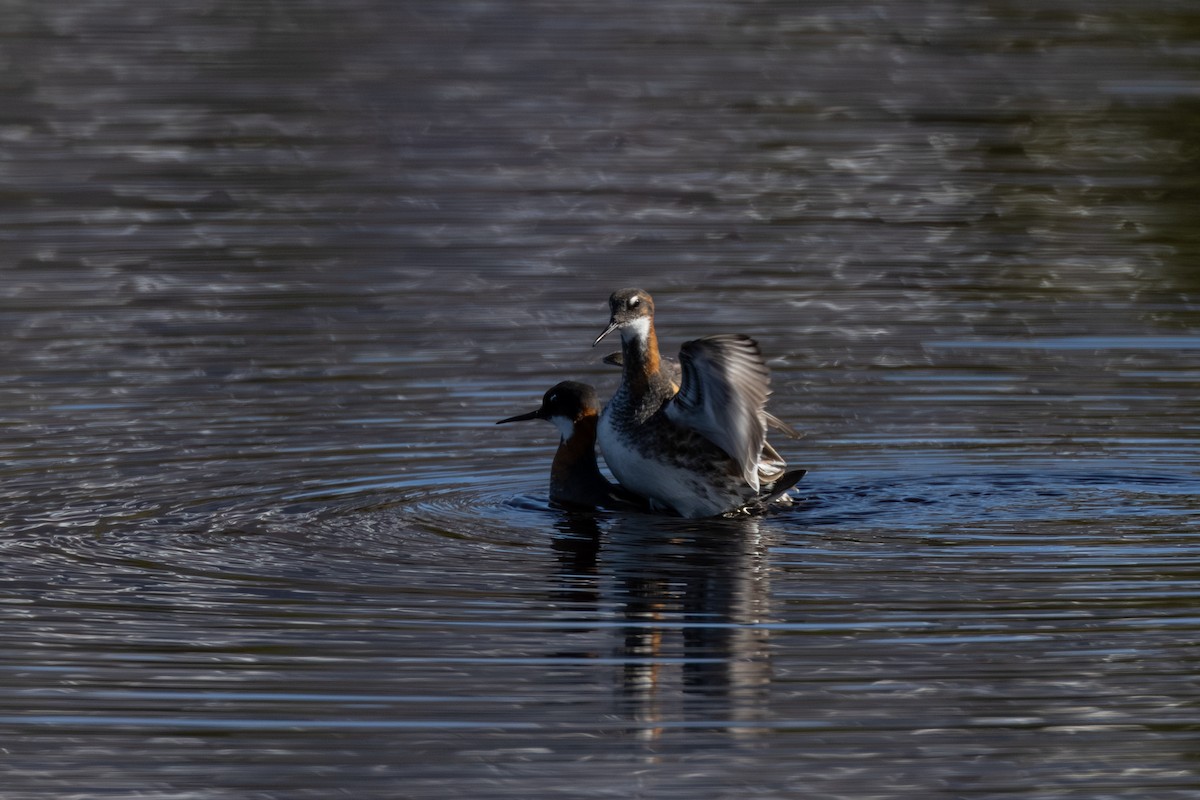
(575, 477)
(697, 447)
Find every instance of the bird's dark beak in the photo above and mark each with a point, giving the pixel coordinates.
(522, 417)
(612, 326)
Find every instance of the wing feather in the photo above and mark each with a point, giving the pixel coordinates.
(723, 393)
(672, 370)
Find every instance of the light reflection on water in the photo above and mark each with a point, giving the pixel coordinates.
(273, 272)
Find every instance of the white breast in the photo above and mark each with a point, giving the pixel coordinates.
(661, 482)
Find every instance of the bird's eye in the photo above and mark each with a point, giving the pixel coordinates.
(553, 399)
(634, 302)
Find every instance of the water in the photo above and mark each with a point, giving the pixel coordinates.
(271, 272)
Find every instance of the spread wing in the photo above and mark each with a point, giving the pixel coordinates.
(724, 389)
(671, 368)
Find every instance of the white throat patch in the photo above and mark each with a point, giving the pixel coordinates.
(638, 329)
(564, 425)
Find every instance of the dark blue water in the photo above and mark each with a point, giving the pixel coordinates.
(270, 272)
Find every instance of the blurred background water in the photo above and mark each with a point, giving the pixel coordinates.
(271, 270)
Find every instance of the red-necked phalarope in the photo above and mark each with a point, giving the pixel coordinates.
(698, 448)
(575, 478)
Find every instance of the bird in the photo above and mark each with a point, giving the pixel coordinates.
(697, 447)
(575, 478)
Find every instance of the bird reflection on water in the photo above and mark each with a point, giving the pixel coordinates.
(693, 598)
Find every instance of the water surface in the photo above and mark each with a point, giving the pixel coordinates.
(271, 272)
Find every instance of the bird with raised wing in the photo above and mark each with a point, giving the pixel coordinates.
(698, 447)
